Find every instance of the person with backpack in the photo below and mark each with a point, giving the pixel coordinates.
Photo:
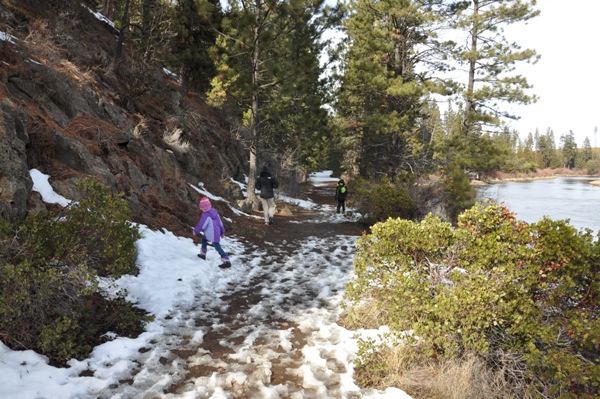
(341, 192)
(213, 230)
(266, 184)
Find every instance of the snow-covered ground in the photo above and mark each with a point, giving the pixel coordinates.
(290, 329)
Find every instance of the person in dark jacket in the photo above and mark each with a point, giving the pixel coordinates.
(213, 230)
(341, 192)
(267, 184)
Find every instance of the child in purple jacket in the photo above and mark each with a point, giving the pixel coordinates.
(211, 225)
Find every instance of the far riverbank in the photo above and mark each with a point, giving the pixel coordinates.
(540, 174)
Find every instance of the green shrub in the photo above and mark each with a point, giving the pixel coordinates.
(593, 166)
(62, 339)
(491, 285)
(100, 221)
(48, 269)
(378, 201)
(529, 167)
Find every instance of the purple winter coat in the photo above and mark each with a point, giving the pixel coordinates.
(212, 226)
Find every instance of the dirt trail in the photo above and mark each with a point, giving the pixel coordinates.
(250, 341)
(302, 223)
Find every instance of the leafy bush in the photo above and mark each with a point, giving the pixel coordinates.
(378, 201)
(490, 286)
(528, 167)
(593, 166)
(48, 269)
(99, 219)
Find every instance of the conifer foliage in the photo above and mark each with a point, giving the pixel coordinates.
(490, 58)
(381, 94)
(196, 24)
(268, 74)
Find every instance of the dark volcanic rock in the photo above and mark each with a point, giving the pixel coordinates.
(15, 182)
(68, 110)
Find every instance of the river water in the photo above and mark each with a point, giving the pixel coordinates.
(572, 198)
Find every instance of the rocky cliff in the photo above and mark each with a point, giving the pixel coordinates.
(68, 110)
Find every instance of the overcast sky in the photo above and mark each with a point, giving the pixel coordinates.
(567, 77)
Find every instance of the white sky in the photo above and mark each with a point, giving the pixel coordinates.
(179, 288)
(567, 77)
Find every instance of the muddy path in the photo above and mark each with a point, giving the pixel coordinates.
(263, 336)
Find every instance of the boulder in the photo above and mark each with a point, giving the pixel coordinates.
(71, 152)
(15, 181)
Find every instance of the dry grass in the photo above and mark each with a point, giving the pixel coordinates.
(412, 369)
(538, 174)
(364, 315)
(42, 49)
(423, 377)
(139, 130)
(174, 140)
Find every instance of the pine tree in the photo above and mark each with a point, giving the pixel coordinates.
(434, 133)
(196, 23)
(146, 26)
(587, 150)
(380, 100)
(489, 59)
(509, 144)
(569, 149)
(546, 149)
(295, 120)
(267, 69)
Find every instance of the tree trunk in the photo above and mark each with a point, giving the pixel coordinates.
(124, 25)
(108, 7)
(255, 120)
(147, 7)
(254, 145)
(472, 64)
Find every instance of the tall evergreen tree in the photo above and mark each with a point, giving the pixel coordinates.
(569, 149)
(295, 119)
(489, 60)
(545, 148)
(528, 149)
(196, 23)
(146, 26)
(444, 134)
(508, 142)
(269, 57)
(433, 132)
(525, 159)
(381, 95)
(490, 57)
(587, 153)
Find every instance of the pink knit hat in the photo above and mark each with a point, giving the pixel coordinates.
(205, 204)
